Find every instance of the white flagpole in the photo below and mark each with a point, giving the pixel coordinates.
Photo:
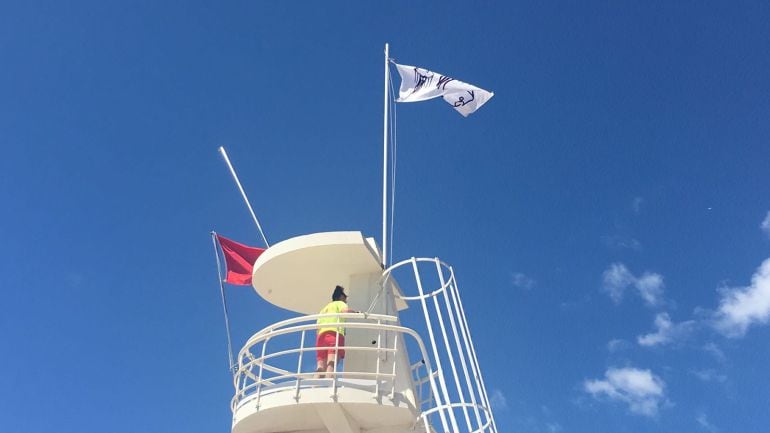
(243, 193)
(385, 166)
(224, 303)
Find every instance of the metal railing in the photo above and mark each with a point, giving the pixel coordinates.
(446, 380)
(460, 392)
(262, 369)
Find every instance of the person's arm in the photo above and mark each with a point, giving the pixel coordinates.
(349, 310)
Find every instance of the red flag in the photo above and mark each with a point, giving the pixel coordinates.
(240, 260)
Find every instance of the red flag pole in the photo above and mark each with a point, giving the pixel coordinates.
(224, 303)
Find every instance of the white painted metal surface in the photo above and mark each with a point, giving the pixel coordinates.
(401, 373)
(298, 274)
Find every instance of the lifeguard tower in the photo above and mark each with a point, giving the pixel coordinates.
(410, 363)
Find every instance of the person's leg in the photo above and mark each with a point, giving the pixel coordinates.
(320, 369)
(321, 356)
(336, 354)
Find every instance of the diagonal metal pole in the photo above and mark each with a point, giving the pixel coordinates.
(243, 193)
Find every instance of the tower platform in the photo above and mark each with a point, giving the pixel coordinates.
(354, 410)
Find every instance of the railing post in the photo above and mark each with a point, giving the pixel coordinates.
(261, 368)
(377, 367)
(336, 359)
(299, 364)
(395, 347)
(450, 313)
(472, 354)
(435, 352)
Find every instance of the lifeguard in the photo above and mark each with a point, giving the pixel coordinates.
(331, 335)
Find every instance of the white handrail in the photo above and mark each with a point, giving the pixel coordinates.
(460, 345)
(247, 383)
(441, 393)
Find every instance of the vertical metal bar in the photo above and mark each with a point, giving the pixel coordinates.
(224, 303)
(385, 165)
(435, 351)
(464, 333)
(299, 364)
(336, 358)
(395, 346)
(475, 363)
(446, 340)
(461, 352)
(377, 367)
(261, 368)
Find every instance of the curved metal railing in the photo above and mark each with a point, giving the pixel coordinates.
(261, 369)
(446, 379)
(461, 393)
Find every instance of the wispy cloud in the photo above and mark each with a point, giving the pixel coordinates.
(712, 349)
(666, 331)
(641, 390)
(619, 242)
(709, 375)
(704, 423)
(741, 307)
(522, 281)
(617, 279)
(636, 204)
(765, 226)
(616, 345)
(498, 400)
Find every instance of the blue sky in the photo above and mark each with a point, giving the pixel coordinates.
(607, 212)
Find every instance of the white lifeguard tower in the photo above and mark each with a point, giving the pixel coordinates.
(410, 363)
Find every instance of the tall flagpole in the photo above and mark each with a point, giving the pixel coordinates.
(243, 193)
(385, 165)
(224, 303)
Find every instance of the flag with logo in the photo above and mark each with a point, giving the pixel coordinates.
(418, 84)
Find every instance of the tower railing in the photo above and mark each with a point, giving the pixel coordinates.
(461, 401)
(449, 391)
(266, 365)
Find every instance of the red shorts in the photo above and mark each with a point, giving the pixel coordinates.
(329, 339)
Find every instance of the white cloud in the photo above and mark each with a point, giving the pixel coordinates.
(553, 427)
(498, 400)
(741, 307)
(636, 204)
(703, 421)
(650, 287)
(667, 331)
(617, 278)
(641, 390)
(522, 281)
(765, 226)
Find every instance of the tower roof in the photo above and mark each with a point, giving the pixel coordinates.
(299, 274)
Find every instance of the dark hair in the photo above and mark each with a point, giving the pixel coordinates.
(339, 292)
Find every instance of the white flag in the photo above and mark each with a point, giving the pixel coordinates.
(418, 84)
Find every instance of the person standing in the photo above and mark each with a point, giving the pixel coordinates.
(331, 334)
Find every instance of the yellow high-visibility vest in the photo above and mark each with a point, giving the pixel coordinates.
(332, 307)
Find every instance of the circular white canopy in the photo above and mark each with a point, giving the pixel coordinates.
(299, 274)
